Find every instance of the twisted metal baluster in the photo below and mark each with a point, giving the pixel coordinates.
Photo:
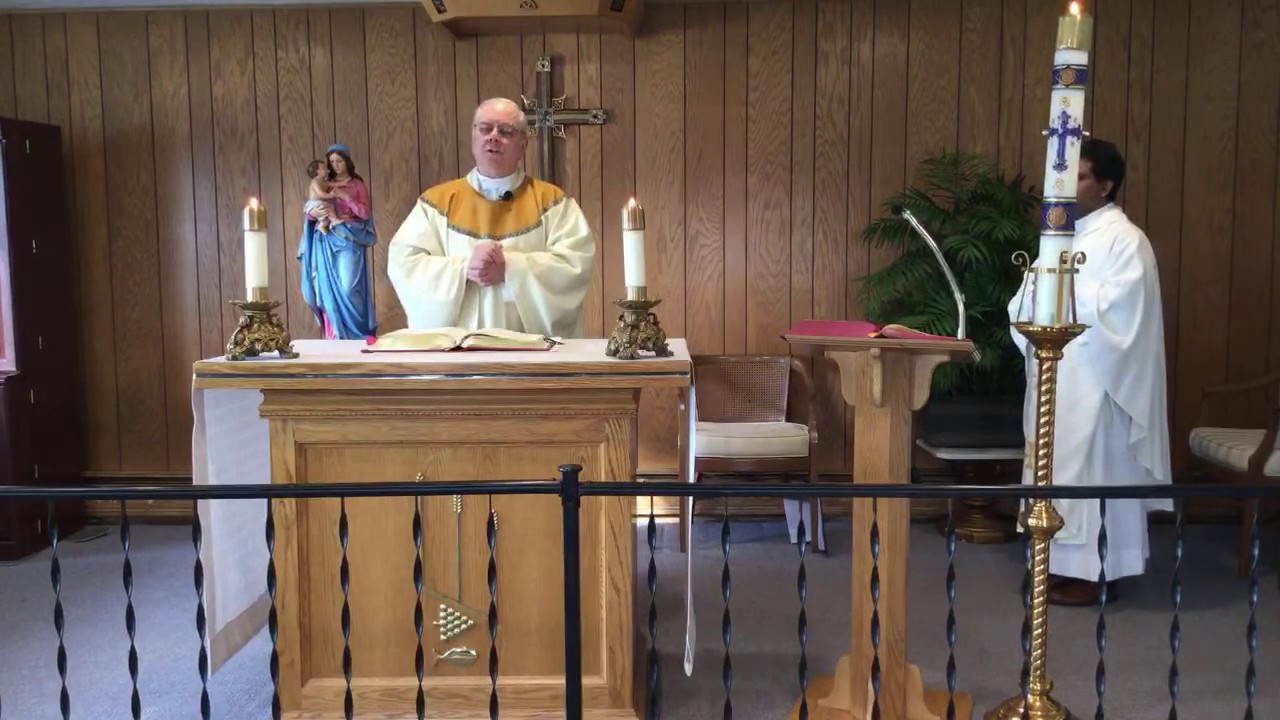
(726, 624)
(1251, 632)
(875, 608)
(130, 620)
(59, 621)
(491, 538)
(202, 627)
(802, 629)
(951, 610)
(273, 620)
(654, 688)
(1175, 626)
(419, 657)
(344, 579)
(1100, 674)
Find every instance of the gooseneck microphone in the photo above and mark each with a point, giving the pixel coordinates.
(904, 213)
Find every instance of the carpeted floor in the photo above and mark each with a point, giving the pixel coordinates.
(1212, 661)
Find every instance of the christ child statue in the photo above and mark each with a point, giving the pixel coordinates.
(319, 193)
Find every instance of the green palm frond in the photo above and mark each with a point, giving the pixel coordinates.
(979, 219)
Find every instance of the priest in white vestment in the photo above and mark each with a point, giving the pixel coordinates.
(494, 249)
(1112, 420)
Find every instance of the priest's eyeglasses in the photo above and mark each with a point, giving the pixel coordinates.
(504, 130)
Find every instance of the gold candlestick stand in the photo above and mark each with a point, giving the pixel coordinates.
(638, 329)
(1041, 520)
(259, 331)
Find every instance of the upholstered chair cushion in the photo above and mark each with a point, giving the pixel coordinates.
(1231, 447)
(751, 439)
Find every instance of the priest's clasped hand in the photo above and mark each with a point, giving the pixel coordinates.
(487, 266)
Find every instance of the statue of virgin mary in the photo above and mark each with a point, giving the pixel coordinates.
(334, 252)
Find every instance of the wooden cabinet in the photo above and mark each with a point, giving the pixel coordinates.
(41, 432)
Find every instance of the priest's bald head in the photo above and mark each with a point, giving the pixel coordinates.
(1100, 175)
(498, 137)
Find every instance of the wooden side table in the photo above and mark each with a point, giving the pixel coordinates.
(975, 518)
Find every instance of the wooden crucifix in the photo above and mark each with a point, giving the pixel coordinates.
(546, 117)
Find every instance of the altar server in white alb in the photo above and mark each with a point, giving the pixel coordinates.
(494, 249)
(1112, 422)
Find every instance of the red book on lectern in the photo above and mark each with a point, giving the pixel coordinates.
(857, 329)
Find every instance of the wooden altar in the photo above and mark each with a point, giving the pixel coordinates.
(338, 415)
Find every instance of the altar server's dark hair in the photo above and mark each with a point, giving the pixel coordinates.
(1106, 162)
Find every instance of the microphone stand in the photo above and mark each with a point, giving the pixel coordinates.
(937, 253)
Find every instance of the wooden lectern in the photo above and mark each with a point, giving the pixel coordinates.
(336, 414)
(885, 380)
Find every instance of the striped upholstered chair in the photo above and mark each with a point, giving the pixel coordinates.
(1238, 455)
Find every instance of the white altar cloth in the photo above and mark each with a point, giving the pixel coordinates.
(231, 445)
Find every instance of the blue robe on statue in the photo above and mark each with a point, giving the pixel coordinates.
(335, 277)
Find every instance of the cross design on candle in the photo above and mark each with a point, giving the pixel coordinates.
(1063, 131)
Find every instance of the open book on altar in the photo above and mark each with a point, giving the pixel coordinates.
(452, 338)
(859, 329)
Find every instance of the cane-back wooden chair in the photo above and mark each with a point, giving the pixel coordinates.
(755, 417)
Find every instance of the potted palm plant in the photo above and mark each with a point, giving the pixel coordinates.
(979, 220)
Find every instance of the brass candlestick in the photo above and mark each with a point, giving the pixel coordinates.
(638, 329)
(1041, 519)
(259, 330)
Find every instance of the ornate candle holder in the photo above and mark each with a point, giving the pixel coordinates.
(638, 329)
(259, 331)
(1040, 518)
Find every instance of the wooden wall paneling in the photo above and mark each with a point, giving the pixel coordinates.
(267, 102)
(618, 159)
(468, 96)
(1138, 141)
(1013, 39)
(92, 245)
(1168, 133)
(597, 309)
(320, 37)
(438, 131)
(204, 174)
(235, 145)
(660, 188)
(1254, 190)
(978, 124)
(31, 86)
(735, 178)
(861, 125)
(888, 114)
(803, 77)
(933, 81)
(532, 46)
(350, 89)
(1208, 207)
(135, 261)
(297, 149)
(8, 103)
(498, 69)
(393, 137)
(566, 154)
(175, 196)
(831, 200)
(1107, 105)
(704, 122)
(769, 81)
(55, 50)
(1041, 34)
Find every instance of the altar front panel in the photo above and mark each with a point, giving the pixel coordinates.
(393, 436)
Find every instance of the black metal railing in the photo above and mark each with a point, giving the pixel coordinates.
(571, 490)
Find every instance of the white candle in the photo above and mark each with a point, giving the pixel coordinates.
(255, 250)
(1062, 159)
(633, 244)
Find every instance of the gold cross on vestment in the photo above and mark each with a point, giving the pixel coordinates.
(546, 117)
